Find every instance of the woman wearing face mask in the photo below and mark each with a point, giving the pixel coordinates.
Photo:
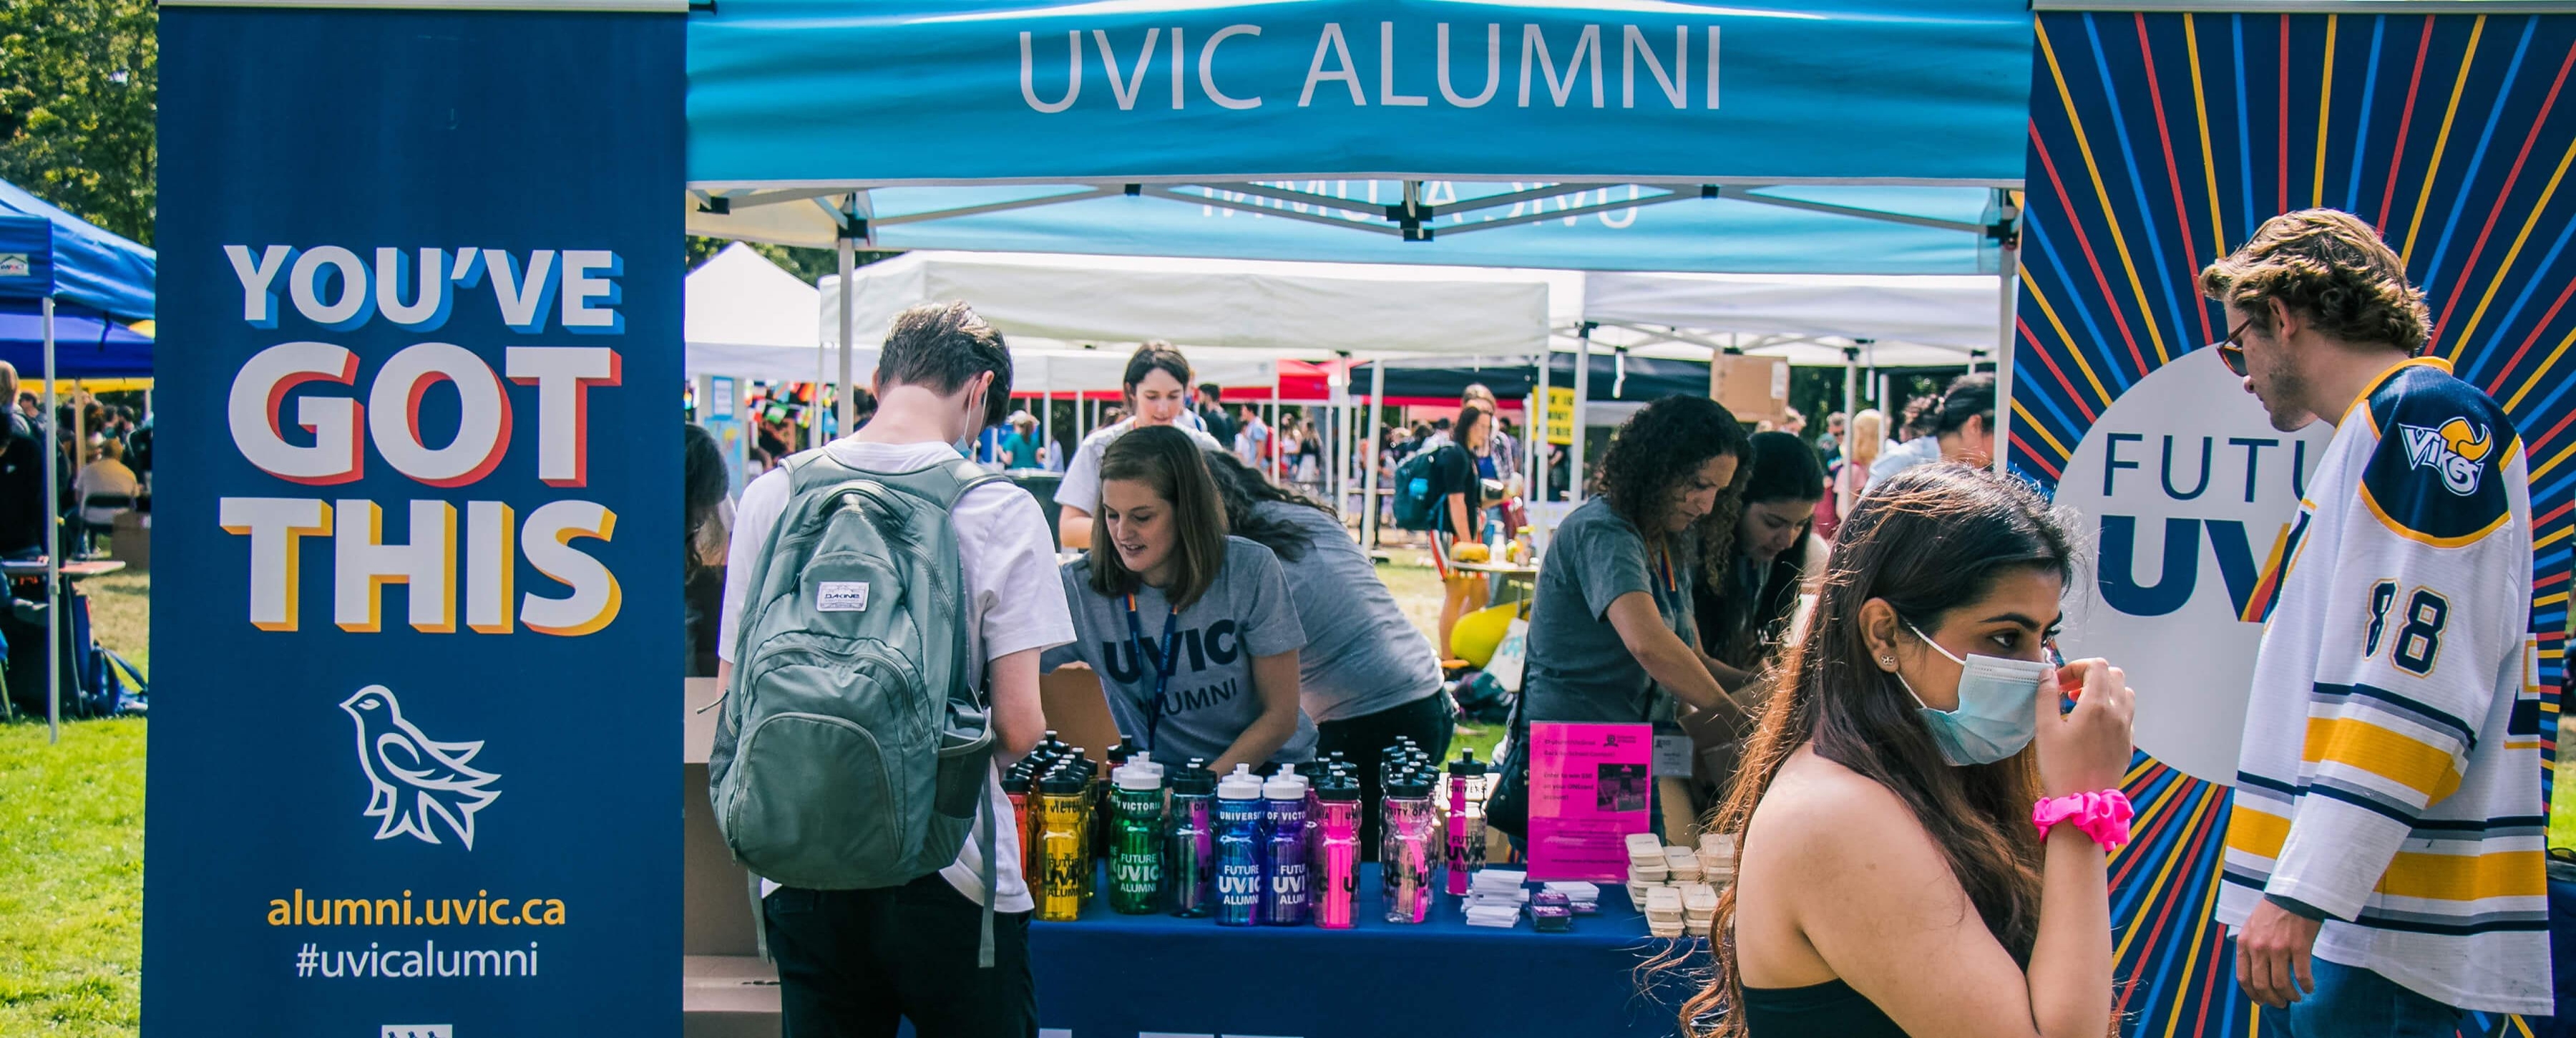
(1923, 831)
(1157, 388)
(1611, 623)
(1757, 562)
(1194, 633)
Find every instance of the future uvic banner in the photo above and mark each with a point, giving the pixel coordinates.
(417, 612)
(2159, 142)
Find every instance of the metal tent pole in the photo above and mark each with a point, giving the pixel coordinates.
(1368, 479)
(1539, 431)
(53, 540)
(2003, 357)
(1582, 397)
(848, 253)
(1851, 388)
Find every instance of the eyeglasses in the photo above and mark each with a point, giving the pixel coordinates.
(2232, 351)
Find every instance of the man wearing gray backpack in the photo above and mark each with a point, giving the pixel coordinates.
(882, 625)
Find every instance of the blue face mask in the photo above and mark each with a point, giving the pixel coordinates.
(1997, 711)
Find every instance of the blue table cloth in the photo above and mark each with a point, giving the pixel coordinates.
(1107, 974)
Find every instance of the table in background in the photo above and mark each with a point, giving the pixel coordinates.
(1505, 576)
(82, 570)
(1110, 974)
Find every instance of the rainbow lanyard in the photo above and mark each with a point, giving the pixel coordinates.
(1163, 663)
(1672, 583)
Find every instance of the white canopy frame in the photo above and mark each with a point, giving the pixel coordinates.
(849, 215)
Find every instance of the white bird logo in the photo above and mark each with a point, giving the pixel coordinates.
(397, 757)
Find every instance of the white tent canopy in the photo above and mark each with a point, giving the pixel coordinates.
(1283, 309)
(745, 317)
(1893, 320)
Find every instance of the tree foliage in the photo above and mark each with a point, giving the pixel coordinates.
(77, 85)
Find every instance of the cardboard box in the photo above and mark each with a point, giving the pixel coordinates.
(131, 540)
(1079, 712)
(1753, 388)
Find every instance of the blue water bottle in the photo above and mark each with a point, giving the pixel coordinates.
(1239, 808)
(1284, 857)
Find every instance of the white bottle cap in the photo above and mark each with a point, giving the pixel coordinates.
(1241, 785)
(1287, 785)
(1137, 779)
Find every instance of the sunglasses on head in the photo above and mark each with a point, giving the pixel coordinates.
(2231, 351)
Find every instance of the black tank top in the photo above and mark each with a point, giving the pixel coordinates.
(1831, 1008)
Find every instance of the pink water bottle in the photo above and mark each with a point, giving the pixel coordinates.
(1466, 828)
(1337, 861)
(1405, 864)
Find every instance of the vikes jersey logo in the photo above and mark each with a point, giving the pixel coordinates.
(2457, 450)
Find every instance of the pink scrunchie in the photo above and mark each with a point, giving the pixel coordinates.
(2103, 815)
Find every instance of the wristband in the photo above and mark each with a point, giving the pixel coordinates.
(2102, 815)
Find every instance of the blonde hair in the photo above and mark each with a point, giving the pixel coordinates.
(1866, 433)
(2330, 267)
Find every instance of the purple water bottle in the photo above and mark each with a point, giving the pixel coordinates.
(1337, 861)
(1189, 848)
(1405, 862)
(1238, 848)
(1283, 864)
(1466, 821)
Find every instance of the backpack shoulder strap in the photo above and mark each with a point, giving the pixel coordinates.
(942, 484)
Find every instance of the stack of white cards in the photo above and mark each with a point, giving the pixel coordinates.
(1494, 898)
(1584, 898)
(1647, 865)
(1717, 858)
(1699, 906)
(1665, 912)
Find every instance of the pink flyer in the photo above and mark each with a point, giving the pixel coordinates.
(1589, 785)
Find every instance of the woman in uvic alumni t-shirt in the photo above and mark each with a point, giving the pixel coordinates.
(1193, 632)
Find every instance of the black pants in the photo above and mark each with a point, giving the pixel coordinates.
(851, 961)
(1430, 720)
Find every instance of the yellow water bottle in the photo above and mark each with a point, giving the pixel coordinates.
(1064, 860)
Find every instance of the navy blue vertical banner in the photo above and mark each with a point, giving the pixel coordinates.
(417, 617)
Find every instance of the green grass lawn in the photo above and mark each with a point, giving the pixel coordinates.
(71, 909)
(2562, 810)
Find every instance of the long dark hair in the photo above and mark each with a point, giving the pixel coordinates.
(1658, 449)
(1243, 488)
(702, 486)
(1730, 624)
(1164, 458)
(1931, 539)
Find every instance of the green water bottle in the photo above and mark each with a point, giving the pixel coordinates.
(1136, 839)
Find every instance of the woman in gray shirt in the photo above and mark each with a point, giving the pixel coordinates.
(1193, 632)
(1367, 674)
(1611, 627)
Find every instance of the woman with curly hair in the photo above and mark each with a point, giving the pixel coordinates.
(1753, 570)
(1611, 629)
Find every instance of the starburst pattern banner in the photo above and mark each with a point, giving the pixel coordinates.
(2157, 143)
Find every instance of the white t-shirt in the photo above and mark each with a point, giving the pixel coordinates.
(1081, 485)
(1015, 599)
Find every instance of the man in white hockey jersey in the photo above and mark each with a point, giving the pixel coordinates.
(2384, 865)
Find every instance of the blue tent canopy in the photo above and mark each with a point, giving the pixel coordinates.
(1829, 136)
(93, 269)
(85, 346)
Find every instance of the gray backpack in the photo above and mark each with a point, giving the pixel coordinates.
(854, 742)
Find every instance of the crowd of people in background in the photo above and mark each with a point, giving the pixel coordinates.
(1871, 612)
(104, 468)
